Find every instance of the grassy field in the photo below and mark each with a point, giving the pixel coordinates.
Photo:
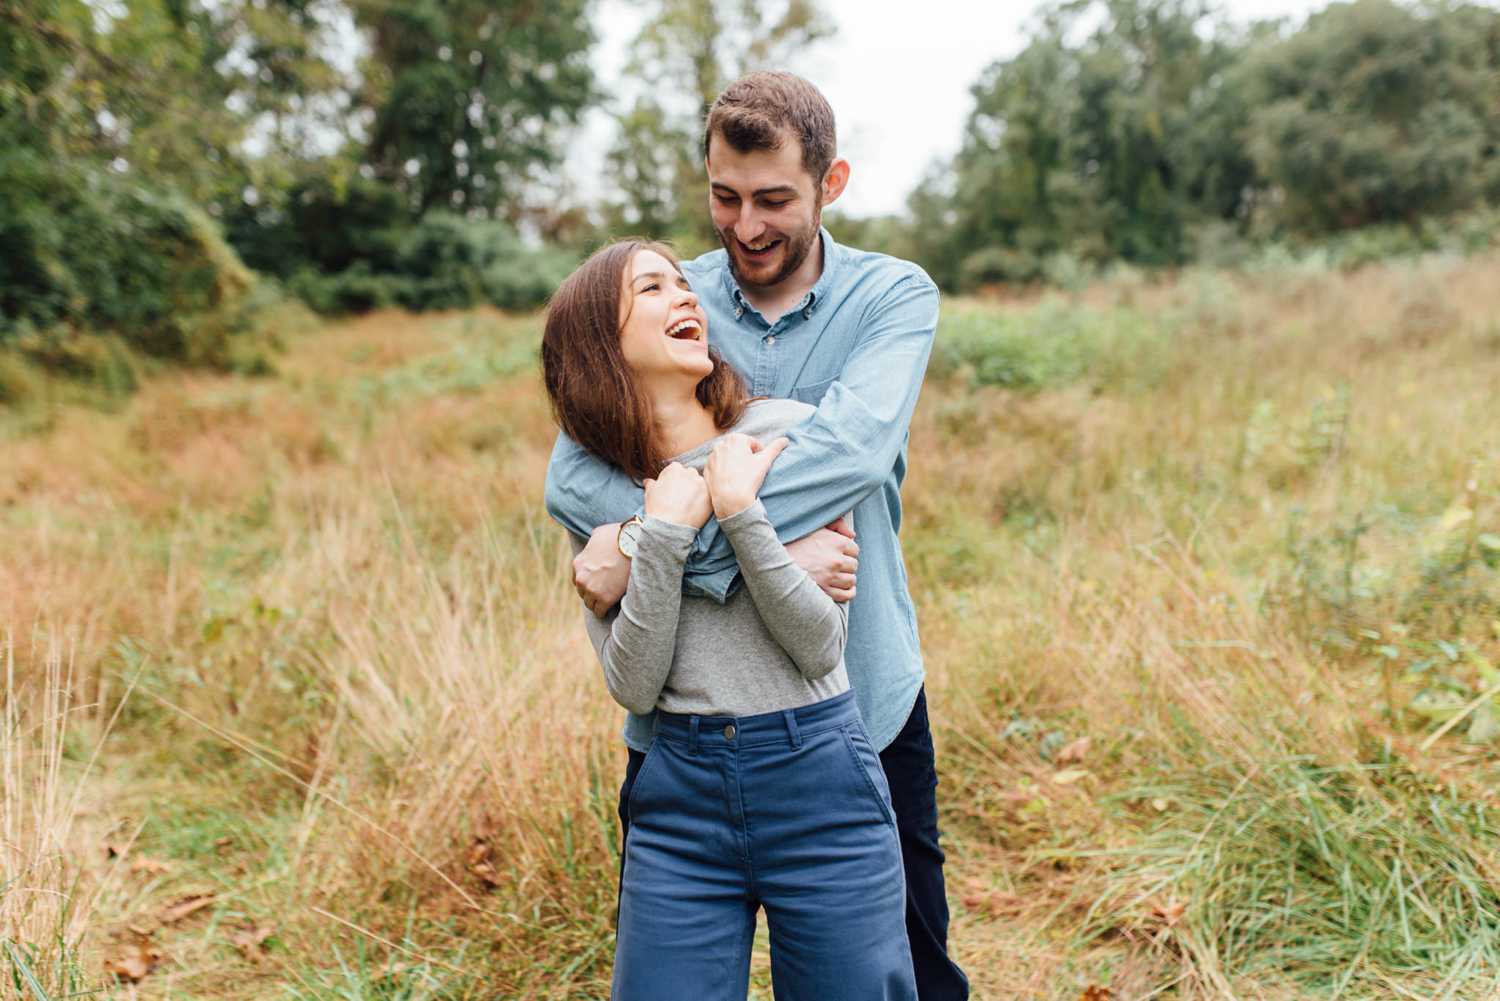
(297, 702)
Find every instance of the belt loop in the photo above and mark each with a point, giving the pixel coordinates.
(791, 727)
(693, 735)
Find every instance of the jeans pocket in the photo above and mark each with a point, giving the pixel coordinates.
(653, 754)
(867, 764)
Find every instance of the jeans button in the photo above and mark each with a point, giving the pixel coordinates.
(729, 732)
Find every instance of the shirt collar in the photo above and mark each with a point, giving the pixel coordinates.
(832, 262)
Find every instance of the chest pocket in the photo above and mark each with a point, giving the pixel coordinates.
(812, 393)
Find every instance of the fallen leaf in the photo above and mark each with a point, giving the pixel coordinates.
(224, 842)
(1069, 775)
(148, 865)
(480, 853)
(249, 939)
(187, 905)
(1074, 752)
(1170, 912)
(134, 962)
(1096, 994)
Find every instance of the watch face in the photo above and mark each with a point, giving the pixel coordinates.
(630, 535)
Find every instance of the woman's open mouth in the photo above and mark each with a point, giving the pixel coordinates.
(685, 330)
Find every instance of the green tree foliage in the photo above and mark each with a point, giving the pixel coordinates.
(1376, 112)
(1107, 148)
(469, 96)
(102, 153)
(1149, 131)
(689, 51)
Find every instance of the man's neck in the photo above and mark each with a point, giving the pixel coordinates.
(775, 301)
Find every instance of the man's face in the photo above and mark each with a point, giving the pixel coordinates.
(766, 208)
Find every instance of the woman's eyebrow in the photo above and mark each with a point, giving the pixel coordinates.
(660, 276)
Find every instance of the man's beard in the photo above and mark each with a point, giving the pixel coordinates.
(795, 251)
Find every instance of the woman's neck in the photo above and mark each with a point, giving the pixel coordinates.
(682, 423)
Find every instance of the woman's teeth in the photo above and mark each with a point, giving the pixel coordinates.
(687, 329)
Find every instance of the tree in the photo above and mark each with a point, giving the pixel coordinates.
(1112, 146)
(689, 51)
(1376, 112)
(468, 97)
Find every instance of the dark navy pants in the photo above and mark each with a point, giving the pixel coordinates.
(786, 811)
(911, 774)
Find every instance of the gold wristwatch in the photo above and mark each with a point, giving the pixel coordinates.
(630, 537)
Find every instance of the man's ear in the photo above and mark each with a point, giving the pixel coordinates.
(835, 180)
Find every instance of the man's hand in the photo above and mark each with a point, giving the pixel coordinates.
(830, 557)
(601, 571)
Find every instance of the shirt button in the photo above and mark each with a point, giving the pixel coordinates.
(771, 339)
(729, 732)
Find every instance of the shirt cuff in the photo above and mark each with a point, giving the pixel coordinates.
(739, 521)
(668, 537)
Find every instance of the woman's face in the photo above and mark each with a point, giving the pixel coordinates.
(663, 331)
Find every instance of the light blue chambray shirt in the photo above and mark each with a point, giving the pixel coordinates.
(855, 347)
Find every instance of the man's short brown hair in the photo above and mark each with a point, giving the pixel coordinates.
(757, 111)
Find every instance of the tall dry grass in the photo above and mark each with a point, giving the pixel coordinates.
(362, 717)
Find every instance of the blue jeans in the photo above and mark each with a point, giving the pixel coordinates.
(911, 773)
(788, 811)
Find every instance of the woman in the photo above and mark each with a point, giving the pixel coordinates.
(761, 788)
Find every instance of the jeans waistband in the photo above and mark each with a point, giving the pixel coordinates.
(780, 727)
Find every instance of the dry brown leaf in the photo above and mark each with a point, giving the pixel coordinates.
(1096, 994)
(1170, 912)
(148, 865)
(1069, 775)
(480, 853)
(133, 962)
(224, 842)
(250, 939)
(1075, 752)
(187, 905)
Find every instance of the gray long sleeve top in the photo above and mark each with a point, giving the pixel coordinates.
(777, 643)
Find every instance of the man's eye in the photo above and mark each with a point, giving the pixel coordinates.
(776, 205)
(726, 199)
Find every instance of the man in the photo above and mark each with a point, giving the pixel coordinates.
(849, 332)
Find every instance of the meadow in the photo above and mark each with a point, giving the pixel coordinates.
(298, 704)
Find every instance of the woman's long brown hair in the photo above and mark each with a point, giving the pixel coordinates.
(595, 396)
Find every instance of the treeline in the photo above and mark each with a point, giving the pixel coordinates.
(172, 170)
(159, 159)
(1164, 134)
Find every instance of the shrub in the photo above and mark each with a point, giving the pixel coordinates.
(86, 252)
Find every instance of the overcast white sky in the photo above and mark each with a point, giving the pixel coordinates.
(897, 74)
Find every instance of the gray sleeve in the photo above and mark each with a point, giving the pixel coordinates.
(810, 626)
(635, 642)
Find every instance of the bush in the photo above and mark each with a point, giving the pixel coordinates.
(86, 253)
(443, 261)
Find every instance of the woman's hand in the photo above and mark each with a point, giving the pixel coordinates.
(736, 469)
(678, 495)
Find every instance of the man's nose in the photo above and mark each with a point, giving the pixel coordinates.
(747, 227)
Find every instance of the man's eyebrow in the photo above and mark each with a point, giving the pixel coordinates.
(780, 189)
